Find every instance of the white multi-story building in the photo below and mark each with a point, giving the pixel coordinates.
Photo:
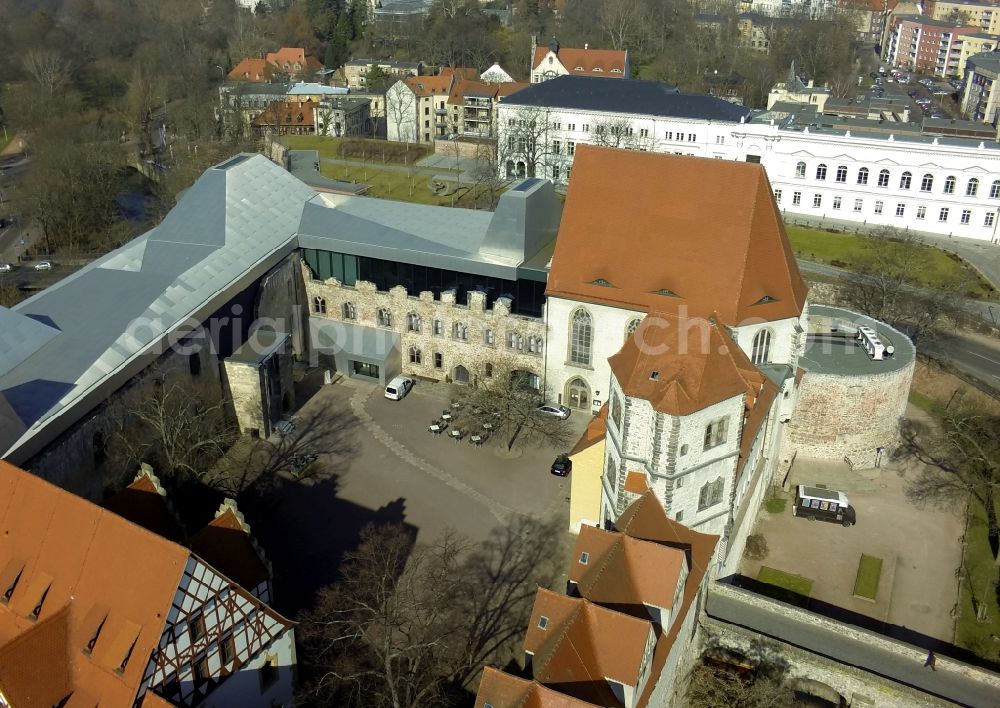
(868, 174)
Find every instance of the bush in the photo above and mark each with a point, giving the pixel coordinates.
(756, 548)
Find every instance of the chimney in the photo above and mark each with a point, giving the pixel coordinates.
(586, 45)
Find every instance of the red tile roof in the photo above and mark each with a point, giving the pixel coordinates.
(460, 72)
(257, 70)
(582, 645)
(225, 544)
(584, 62)
(288, 58)
(690, 235)
(684, 365)
(502, 690)
(93, 562)
(430, 85)
(622, 571)
(298, 114)
(144, 502)
(596, 429)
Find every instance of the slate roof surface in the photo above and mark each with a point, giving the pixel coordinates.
(632, 96)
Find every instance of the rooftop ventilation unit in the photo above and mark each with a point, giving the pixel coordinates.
(873, 345)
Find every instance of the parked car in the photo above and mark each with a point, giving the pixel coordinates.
(562, 466)
(557, 411)
(43, 265)
(398, 387)
(6, 267)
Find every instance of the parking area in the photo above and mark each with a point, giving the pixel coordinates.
(920, 549)
(397, 472)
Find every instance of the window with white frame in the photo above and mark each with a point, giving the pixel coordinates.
(715, 432)
(777, 196)
(995, 189)
(534, 344)
(966, 216)
(905, 180)
(581, 337)
(800, 169)
(863, 175)
(926, 183)
(796, 198)
(972, 188)
(949, 185)
(836, 202)
(900, 209)
(570, 150)
(841, 173)
(988, 219)
(384, 317)
(349, 311)
(821, 171)
(883, 178)
(858, 204)
(943, 214)
(921, 211)
(817, 201)
(414, 355)
(878, 207)
(319, 305)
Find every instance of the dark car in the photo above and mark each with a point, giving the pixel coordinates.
(562, 466)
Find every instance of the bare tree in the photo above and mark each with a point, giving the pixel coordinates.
(961, 460)
(407, 625)
(9, 294)
(401, 112)
(523, 143)
(714, 686)
(49, 69)
(488, 185)
(619, 133)
(504, 396)
(621, 20)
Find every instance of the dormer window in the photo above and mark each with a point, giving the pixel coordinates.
(666, 292)
(584, 558)
(598, 69)
(654, 376)
(543, 622)
(766, 299)
(579, 68)
(616, 71)
(602, 282)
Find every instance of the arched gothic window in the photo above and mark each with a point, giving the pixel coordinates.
(384, 317)
(581, 338)
(349, 311)
(760, 352)
(319, 306)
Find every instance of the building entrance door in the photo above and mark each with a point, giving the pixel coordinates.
(578, 394)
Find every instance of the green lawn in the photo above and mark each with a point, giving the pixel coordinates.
(775, 505)
(978, 588)
(849, 251)
(925, 403)
(380, 150)
(869, 572)
(793, 589)
(393, 184)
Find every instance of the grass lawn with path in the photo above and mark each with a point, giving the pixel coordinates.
(330, 147)
(402, 186)
(846, 250)
(978, 588)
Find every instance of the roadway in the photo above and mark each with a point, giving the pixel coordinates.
(850, 649)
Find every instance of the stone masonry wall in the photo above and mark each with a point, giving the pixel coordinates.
(849, 416)
(243, 384)
(472, 352)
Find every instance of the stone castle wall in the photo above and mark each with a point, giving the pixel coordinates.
(473, 318)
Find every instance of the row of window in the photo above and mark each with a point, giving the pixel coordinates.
(943, 214)
(905, 180)
(515, 341)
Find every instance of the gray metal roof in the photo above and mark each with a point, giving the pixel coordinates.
(625, 96)
(235, 218)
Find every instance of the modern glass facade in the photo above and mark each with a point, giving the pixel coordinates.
(528, 296)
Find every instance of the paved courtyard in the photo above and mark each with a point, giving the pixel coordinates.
(920, 548)
(397, 472)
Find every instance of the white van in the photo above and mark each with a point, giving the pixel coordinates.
(398, 387)
(824, 504)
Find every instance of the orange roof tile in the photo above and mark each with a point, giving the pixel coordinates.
(34, 666)
(625, 572)
(583, 62)
(636, 482)
(501, 690)
(288, 113)
(143, 502)
(87, 556)
(595, 431)
(647, 231)
(684, 365)
(252, 70)
(287, 58)
(430, 85)
(582, 641)
(506, 88)
(226, 545)
(460, 72)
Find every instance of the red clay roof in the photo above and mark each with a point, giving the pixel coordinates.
(623, 571)
(506, 88)
(583, 62)
(684, 365)
(460, 72)
(144, 503)
(288, 113)
(582, 645)
(287, 58)
(690, 235)
(502, 690)
(34, 665)
(595, 431)
(95, 563)
(430, 85)
(635, 482)
(249, 69)
(225, 544)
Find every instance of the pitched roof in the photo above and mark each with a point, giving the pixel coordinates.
(595, 431)
(94, 564)
(144, 503)
(290, 57)
(684, 365)
(612, 568)
(461, 72)
(288, 113)
(430, 85)
(584, 644)
(648, 231)
(251, 69)
(225, 544)
(586, 61)
(501, 690)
